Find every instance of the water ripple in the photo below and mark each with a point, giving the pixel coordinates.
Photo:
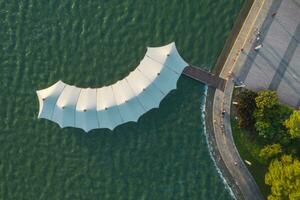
(95, 43)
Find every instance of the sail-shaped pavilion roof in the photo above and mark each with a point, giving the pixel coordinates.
(124, 101)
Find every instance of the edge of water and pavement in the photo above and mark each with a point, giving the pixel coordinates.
(218, 125)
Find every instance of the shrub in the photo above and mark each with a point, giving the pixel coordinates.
(270, 151)
(293, 125)
(245, 108)
(269, 116)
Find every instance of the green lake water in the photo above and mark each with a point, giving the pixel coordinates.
(93, 43)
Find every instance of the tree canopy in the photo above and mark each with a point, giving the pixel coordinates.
(245, 108)
(270, 151)
(293, 124)
(270, 116)
(266, 99)
(284, 178)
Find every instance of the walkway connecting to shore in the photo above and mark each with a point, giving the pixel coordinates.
(205, 77)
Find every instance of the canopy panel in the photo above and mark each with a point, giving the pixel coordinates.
(126, 100)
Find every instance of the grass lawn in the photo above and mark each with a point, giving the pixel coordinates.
(249, 143)
(249, 150)
(249, 146)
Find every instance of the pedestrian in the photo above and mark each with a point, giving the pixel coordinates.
(274, 14)
(223, 112)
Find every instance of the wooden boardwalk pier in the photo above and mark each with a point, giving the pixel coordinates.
(205, 77)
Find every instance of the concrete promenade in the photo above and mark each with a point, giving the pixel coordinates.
(276, 65)
(226, 154)
(275, 25)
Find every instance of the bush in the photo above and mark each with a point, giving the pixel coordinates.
(269, 116)
(245, 108)
(270, 151)
(293, 125)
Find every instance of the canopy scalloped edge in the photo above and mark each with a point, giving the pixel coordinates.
(121, 102)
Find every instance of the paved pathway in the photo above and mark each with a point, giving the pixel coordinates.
(205, 77)
(225, 152)
(242, 179)
(276, 66)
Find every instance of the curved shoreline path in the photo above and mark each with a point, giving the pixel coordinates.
(218, 114)
(222, 85)
(242, 178)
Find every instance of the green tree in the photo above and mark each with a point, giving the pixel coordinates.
(270, 151)
(245, 108)
(270, 116)
(293, 124)
(284, 178)
(266, 99)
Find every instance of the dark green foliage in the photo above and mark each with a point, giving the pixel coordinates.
(293, 125)
(274, 123)
(245, 108)
(270, 116)
(270, 151)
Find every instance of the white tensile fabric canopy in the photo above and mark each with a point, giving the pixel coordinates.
(124, 101)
